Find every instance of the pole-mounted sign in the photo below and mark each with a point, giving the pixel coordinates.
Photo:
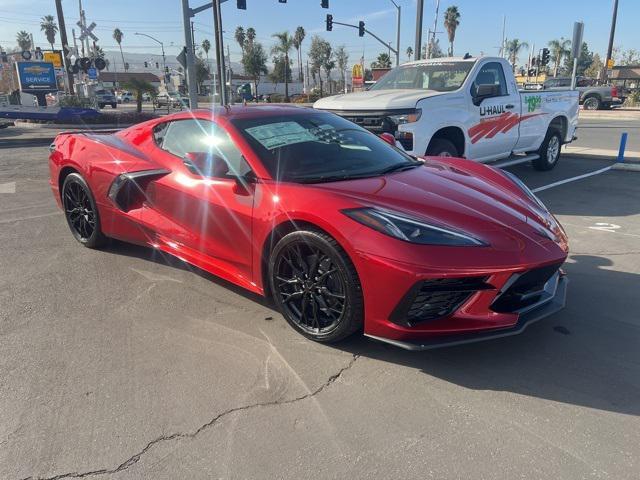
(87, 32)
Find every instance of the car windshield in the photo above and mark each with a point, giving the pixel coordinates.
(319, 147)
(438, 76)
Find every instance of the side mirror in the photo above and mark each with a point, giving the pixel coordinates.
(387, 137)
(206, 164)
(485, 91)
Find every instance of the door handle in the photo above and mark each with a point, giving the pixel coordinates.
(509, 106)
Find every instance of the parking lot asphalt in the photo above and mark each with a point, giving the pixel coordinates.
(123, 364)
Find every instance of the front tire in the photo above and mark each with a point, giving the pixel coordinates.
(441, 147)
(81, 212)
(315, 286)
(592, 103)
(549, 151)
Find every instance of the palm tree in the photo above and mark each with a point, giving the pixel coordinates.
(283, 47)
(117, 36)
(24, 40)
(451, 22)
(240, 37)
(513, 49)
(139, 87)
(49, 27)
(251, 35)
(409, 53)
(298, 37)
(206, 46)
(559, 48)
(383, 61)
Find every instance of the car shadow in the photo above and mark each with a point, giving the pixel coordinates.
(588, 354)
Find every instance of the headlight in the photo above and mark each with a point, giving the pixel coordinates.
(410, 229)
(410, 117)
(526, 190)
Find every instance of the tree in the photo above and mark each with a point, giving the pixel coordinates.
(584, 60)
(251, 35)
(139, 87)
(383, 61)
(513, 47)
(559, 48)
(24, 40)
(240, 37)
(117, 36)
(206, 46)
(279, 74)
(328, 64)
(629, 57)
(320, 55)
(451, 22)
(342, 59)
(409, 53)
(283, 47)
(49, 27)
(595, 69)
(202, 72)
(432, 50)
(254, 62)
(298, 37)
(98, 53)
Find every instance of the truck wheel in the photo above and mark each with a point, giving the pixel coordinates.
(114, 105)
(591, 103)
(441, 147)
(549, 151)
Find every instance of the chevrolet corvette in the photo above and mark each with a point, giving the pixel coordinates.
(343, 231)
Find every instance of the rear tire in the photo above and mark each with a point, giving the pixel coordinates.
(592, 103)
(441, 147)
(114, 105)
(549, 151)
(315, 286)
(81, 212)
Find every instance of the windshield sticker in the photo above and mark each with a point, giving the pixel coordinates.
(276, 135)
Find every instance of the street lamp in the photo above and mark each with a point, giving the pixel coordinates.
(164, 65)
(397, 34)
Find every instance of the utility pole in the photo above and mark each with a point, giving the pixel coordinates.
(612, 33)
(191, 67)
(217, 29)
(65, 45)
(397, 34)
(419, 12)
(503, 46)
(432, 42)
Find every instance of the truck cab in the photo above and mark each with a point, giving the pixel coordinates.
(465, 107)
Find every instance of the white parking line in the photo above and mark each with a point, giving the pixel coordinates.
(8, 187)
(572, 179)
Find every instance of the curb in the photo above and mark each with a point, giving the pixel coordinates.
(627, 166)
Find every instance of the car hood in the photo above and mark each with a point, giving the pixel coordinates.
(375, 100)
(471, 198)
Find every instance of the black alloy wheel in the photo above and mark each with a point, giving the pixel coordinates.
(316, 287)
(81, 212)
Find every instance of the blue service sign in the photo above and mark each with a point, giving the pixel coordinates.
(37, 77)
(93, 73)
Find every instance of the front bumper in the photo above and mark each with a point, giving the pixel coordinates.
(531, 314)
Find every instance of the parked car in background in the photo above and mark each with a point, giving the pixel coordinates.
(126, 97)
(104, 98)
(592, 97)
(172, 99)
(463, 107)
(146, 97)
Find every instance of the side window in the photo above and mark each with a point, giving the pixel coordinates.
(490, 74)
(205, 141)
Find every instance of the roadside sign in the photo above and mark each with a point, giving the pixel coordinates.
(610, 64)
(87, 32)
(576, 43)
(54, 57)
(36, 77)
(26, 55)
(357, 76)
(182, 57)
(93, 73)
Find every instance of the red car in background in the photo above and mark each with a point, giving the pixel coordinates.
(345, 232)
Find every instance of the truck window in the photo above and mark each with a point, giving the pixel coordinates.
(438, 76)
(490, 74)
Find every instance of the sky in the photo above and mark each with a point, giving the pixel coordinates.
(480, 30)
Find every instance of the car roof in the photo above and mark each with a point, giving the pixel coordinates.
(241, 111)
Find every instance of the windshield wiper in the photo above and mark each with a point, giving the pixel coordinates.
(401, 167)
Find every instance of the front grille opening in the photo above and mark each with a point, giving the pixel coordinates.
(437, 298)
(527, 290)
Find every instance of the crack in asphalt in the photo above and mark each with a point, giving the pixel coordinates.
(179, 436)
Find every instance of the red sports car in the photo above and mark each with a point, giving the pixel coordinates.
(345, 232)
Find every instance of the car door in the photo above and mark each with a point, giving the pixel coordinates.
(208, 211)
(494, 120)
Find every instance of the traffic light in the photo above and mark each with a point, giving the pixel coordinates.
(361, 28)
(146, 64)
(157, 65)
(545, 57)
(324, 3)
(126, 66)
(241, 4)
(329, 22)
(3, 57)
(282, 1)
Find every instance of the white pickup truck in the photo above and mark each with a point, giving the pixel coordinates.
(466, 107)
